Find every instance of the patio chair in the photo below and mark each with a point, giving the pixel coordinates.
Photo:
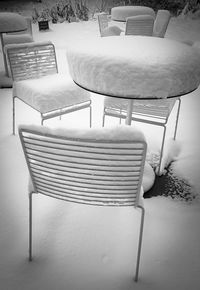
(98, 167)
(154, 112)
(139, 25)
(20, 37)
(37, 83)
(161, 23)
(105, 29)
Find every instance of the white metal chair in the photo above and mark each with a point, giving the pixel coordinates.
(37, 83)
(155, 112)
(100, 167)
(161, 23)
(139, 25)
(104, 28)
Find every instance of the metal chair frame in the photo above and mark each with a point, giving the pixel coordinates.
(103, 25)
(139, 25)
(161, 23)
(147, 116)
(93, 171)
(33, 61)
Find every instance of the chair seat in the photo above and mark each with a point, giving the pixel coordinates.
(42, 94)
(111, 31)
(17, 38)
(151, 108)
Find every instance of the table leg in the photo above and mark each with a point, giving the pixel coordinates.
(129, 112)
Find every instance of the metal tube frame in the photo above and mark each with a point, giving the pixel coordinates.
(140, 242)
(30, 226)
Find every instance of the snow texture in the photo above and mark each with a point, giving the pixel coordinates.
(134, 67)
(122, 12)
(11, 22)
(50, 92)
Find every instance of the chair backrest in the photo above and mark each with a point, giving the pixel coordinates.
(139, 25)
(102, 21)
(101, 166)
(31, 60)
(161, 23)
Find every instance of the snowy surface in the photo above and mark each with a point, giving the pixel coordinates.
(134, 67)
(89, 248)
(122, 12)
(11, 22)
(36, 92)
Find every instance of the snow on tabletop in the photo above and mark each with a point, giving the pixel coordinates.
(139, 66)
(120, 13)
(11, 22)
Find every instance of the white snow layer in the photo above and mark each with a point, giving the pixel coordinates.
(78, 247)
(138, 66)
(11, 22)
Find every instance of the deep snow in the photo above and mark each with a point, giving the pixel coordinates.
(79, 247)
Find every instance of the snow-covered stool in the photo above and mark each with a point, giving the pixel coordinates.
(96, 167)
(120, 13)
(37, 82)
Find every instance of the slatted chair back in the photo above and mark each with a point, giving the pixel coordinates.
(139, 25)
(161, 23)
(103, 22)
(95, 171)
(31, 60)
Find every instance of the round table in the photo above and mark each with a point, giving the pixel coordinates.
(135, 67)
(10, 22)
(120, 13)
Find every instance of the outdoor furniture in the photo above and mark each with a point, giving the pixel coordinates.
(139, 25)
(37, 82)
(20, 37)
(99, 167)
(10, 23)
(104, 28)
(135, 68)
(154, 112)
(161, 23)
(120, 13)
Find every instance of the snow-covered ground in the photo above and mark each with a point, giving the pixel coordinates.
(74, 247)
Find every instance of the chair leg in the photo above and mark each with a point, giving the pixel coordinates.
(140, 243)
(103, 122)
(177, 117)
(90, 116)
(162, 147)
(30, 227)
(14, 115)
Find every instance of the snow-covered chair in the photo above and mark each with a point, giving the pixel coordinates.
(161, 23)
(104, 28)
(37, 82)
(154, 112)
(139, 25)
(20, 37)
(99, 167)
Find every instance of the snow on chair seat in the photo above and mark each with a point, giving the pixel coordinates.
(105, 29)
(99, 167)
(37, 83)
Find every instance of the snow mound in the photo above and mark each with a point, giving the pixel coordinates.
(11, 22)
(134, 67)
